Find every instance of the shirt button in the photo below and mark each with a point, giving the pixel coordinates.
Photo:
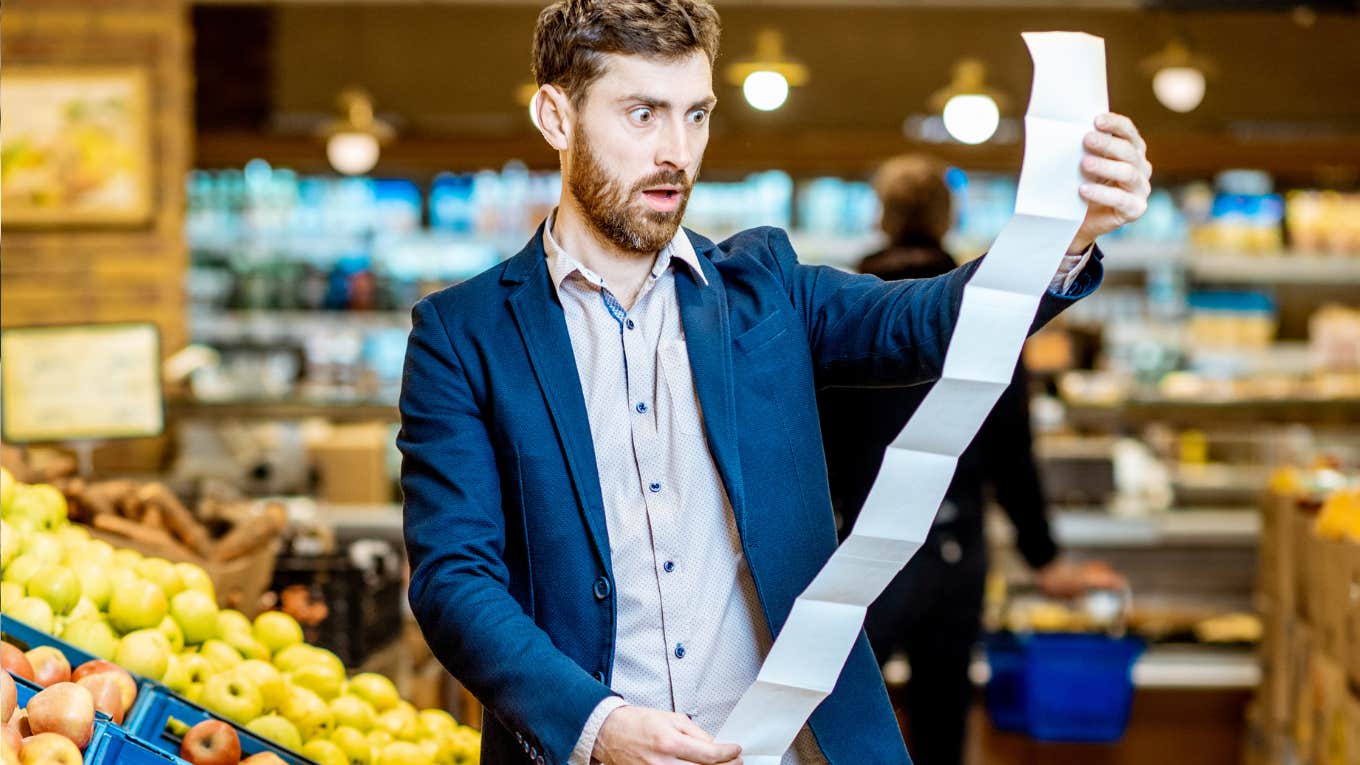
(679, 650)
(641, 407)
(629, 324)
(601, 588)
(668, 566)
(655, 486)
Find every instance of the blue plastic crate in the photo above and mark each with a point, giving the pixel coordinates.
(150, 724)
(112, 744)
(1061, 687)
(26, 637)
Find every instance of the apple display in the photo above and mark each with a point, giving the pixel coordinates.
(137, 605)
(232, 697)
(211, 742)
(49, 749)
(57, 585)
(352, 711)
(49, 665)
(230, 620)
(246, 645)
(108, 697)
(42, 504)
(264, 677)
(35, 612)
(13, 660)
(354, 744)
(376, 689)
(324, 752)
(161, 572)
(195, 578)
(92, 636)
(94, 582)
(220, 655)
(66, 709)
(276, 729)
(308, 712)
(403, 753)
(173, 634)
(277, 630)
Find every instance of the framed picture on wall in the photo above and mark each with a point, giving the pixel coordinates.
(75, 145)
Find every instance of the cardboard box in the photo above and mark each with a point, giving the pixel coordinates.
(1331, 582)
(351, 462)
(1352, 615)
(1303, 540)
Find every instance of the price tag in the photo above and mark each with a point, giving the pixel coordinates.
(83, 382)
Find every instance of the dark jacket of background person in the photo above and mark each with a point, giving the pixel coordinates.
(931, 611)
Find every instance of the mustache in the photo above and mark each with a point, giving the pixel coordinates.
(670, 177)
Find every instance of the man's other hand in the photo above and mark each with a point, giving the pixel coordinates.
(640, 736)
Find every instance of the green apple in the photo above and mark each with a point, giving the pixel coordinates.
(436, 749)
(277, 630)
(379, 738)
(195, 578)
(95, 582)
(220, 655)
(352, 712)
(403, 753)
(74, 535)
(196, 613)
(176, 676)
(162, 572)
(139, 605)
(308, 712)
(276, 729)
(230, 620)
(324, 752)
(99, 552)
(376, 689)
(247, 646)
(46, 547)
(8, 488)
(120, 578)
(35, 612)
(56, 585)
(23, 568)
(400, 721)
(197, 668)
(436, 723)
(144, 652)
(170, 629)
(127, 558)
(266, 678)
(294, 656)
(232, 697)
(354, 744)
(320, 676)
(11, 542)
(10, 593)
(41, 503)
(84, 609)
(194, 693)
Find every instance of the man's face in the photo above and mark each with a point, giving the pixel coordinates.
(639, 139)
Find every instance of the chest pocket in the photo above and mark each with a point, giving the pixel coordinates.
(758, 336)
(677, 385)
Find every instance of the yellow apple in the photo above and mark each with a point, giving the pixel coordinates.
(276, 729)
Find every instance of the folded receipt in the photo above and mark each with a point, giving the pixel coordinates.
(998, 307)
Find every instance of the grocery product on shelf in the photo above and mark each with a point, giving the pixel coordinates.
(162, 622)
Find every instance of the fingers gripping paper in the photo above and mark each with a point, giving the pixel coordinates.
(998, 306)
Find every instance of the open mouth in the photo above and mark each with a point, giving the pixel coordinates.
(663, 198)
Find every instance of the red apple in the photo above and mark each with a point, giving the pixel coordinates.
(19, 722)
(11, 740)
(108, 697)
(263, 758)
(66, 709)
(103, 667)
(49, 749)
(211, 742)
(13, 660)
(49, 666)
(9, 696)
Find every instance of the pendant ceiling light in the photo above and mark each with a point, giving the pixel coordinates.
(766, 77)
(354, 141)
(971, 110)
(1179, 77)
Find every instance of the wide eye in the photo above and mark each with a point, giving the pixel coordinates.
(698, 116)
(642, 114)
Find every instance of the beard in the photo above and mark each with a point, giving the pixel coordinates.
(618, 215)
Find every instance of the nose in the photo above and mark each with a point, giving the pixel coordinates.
(675, 146)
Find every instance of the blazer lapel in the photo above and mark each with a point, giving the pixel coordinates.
(538, 314)
(703, 312)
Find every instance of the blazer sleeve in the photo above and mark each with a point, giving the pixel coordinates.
(864, 331)
(455, 539)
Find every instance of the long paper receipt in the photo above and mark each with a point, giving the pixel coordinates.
(998, 307)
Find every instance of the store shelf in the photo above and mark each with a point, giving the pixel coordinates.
(1199, 527)
(283, 409)
(1245, 411)
(1174, 667)
(1292, 268)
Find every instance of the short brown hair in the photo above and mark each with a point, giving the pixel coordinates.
(572, 36)
(916, 199)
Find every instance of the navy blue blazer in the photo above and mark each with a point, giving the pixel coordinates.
(504, 521)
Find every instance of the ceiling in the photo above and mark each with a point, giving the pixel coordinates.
(448, 72)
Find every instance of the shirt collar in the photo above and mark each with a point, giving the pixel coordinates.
(561, 265)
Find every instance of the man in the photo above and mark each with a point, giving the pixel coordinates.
(614, 479)
(931, 610)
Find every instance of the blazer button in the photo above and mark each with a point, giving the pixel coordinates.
(602, 588)
(599, 676)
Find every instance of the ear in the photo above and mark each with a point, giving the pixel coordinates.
(553, 116)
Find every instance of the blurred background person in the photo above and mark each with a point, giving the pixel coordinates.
(932, 610)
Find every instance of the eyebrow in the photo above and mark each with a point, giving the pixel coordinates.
(661, 103)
